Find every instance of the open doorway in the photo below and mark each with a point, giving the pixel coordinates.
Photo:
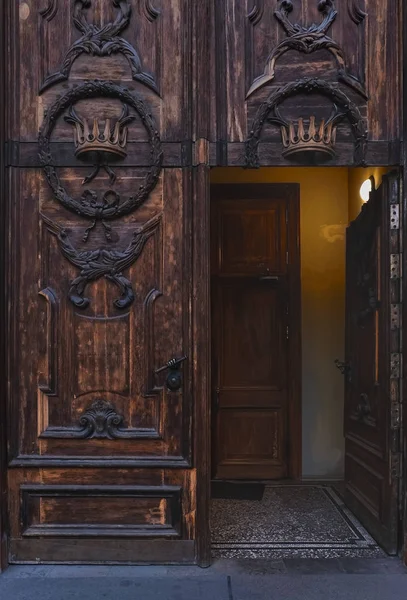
(282, 289)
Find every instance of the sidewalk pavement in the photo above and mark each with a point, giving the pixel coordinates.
(302, 579)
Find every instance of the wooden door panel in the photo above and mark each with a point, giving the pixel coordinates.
(87, 393)
(277, 43)
(251, 443)
(250, 312)
(52, 62)
(85, 355)
(63, 514)
(251, 323)
(253, 241)
(373, 355)
(100, 282)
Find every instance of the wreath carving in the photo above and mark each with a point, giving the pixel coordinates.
(90, 206)
(268, 112)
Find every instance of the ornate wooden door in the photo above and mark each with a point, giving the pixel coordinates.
(255, 372)
(373, 364)
(99, 284)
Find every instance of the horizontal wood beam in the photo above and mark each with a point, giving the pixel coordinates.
(188, 153)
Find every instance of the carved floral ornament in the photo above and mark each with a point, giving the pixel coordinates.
(307, 40)
(103, 142)
(102, 262)
(99, 421)
(101, 41)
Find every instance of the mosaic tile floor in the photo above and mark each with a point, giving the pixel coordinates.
(291, 521)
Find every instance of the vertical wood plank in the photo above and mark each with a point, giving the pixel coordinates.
(201, 358)
(235, 74)
(202, 91)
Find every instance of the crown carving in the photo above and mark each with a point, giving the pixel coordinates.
(110, 138)
(317, 138)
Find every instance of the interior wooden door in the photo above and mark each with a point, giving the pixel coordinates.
(373, 364)
(251, 318)
(99, 284)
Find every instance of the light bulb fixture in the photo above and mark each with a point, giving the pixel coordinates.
(365, 189)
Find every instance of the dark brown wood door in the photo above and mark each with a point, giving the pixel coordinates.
(250, 356)
(99, 284)
(373, 364)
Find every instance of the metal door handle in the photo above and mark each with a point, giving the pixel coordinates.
(345, 369)
(174, 377)
(269, 278)
(172, 365)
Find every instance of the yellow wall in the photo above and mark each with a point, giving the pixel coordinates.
(324, 217)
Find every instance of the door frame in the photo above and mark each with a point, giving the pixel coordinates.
(403, 200)
(3, 266)
(290, 192)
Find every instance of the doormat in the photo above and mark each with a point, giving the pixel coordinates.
(228, 490)
(309, 521)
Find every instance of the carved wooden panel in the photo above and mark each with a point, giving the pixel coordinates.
(100, 283)
(266, 45)
(71, 42)
(142, 515)
(89, 510)
(96, 351)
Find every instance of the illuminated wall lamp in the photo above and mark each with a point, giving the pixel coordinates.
(366, 187)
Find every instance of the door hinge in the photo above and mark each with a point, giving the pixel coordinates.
(395, 365)
(286, 332)
(395, 266)
(395, 416)
(395, 316)
(394, 216)
(395, 466)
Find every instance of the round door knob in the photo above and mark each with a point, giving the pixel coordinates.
(174, 381)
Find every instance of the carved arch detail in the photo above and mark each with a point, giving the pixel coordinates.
(102, 41)
(256, 13)
(307, 40)
(267, 112)
(49, 12)
(355, 12)
(151, 12)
